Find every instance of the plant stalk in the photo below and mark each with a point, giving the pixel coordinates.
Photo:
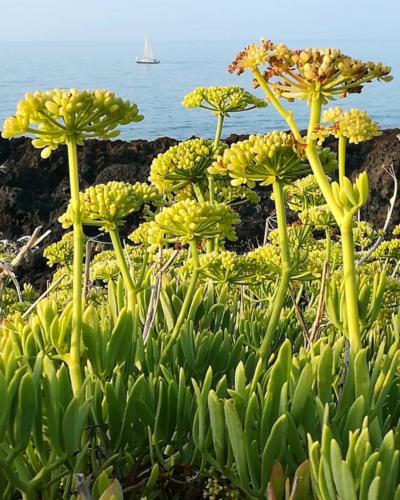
(279, 298)
(186, 303)
(342, 159)
(74, 360)
(350, 284)
(124, 268)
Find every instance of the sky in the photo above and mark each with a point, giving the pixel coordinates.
(108, 20)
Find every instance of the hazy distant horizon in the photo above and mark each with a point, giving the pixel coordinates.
(186, 20)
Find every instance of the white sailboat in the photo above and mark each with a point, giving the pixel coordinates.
(148, 57)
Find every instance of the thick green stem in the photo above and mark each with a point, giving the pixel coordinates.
(286, 115)
(279, 298)
(328, 245)
(217, 138)
(342, 159)
(186, 303)
(124, 268)
(350, 284)
(74, 359)
(211, 182)
(315, 117)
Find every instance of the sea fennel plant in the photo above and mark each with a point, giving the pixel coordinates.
(69, 117)
(318, 76)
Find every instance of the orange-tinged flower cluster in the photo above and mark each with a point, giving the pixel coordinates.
(305, 73)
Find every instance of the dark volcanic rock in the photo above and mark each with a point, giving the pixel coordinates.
(35, 192)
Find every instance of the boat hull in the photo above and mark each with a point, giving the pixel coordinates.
(138, 61)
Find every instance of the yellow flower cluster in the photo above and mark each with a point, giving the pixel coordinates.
(261, 159)
(299, 74)
(223, 267)
(107, 205)
(183, 165)
(56, 116)
(189, 221)
(364, 233)
(319, 217)
(104, 266)
(388, 250)
(354, 125)
(304, 193)
(222, 100)
(140, 236)
(61, 252)
(226, 193)
(265, 262)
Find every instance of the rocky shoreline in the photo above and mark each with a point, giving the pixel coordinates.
(34, 192)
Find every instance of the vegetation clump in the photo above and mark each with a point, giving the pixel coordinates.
(177, 367)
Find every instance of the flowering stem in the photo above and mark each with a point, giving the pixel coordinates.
(342, 158)
(279, 299)
(186, 303)
(286, 115)
(123, 267)
(74, 359)
(211, 183)
(350, 283)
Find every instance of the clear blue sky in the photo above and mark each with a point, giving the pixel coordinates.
(43, 20)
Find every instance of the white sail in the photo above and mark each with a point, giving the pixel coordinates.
(148, 57)
(147, 53)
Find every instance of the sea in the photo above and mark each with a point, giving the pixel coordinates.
(158, 90)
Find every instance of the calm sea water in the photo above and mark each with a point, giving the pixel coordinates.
(158, 90)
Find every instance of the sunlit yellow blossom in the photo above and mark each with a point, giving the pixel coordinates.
(188, 221)
(56, 116)
(107, 205)
(222, 100)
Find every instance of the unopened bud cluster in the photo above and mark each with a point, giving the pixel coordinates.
(304, 193)
(223, 267)
(319, 217)
(222, 100)
(263, 159)
(354, 125)
(107, 205)
(183, 165)
(188, 221)
(61, 252)
(57, 116)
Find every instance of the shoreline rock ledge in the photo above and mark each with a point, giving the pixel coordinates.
(34, 192)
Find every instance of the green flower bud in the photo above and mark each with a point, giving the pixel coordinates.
(107, 205)
(56, 116)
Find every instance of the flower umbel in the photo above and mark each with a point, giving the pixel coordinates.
(354, 125)
(262, 159)
(56, 116)
(183, 165)
(107, 205)
(222, 100)
(309, 73)
(188, 221)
